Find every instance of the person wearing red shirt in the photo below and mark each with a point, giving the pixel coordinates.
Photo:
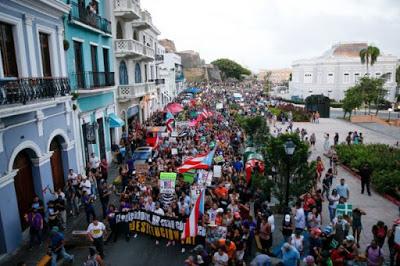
(337, 256)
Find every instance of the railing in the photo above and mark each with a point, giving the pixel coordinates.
(84, 15)
(157, 81)
(128, 46)
(146, 17)
(150, 87)
(132, 90)
(148, 51)
(91, 80)
(23, 90)
(127, 5)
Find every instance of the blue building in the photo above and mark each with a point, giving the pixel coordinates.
(90, 69)
(37, 145)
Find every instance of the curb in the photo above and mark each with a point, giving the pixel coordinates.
(386, 196)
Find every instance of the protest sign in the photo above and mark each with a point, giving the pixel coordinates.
(217, 171)
(188, 177)
(174, 151)
(219, 106)
(160, 226)
(167, 182)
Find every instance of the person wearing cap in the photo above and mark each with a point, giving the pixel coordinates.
(290, 255)
(56, 247)
(95, 232)
(287, 225)
(315, 243)
(350, 248)
(309, 261)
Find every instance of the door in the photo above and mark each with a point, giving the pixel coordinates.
(106, 66)
(95, 73)
(57, 169)
(123, 73)
(80, 78)
(45, 53)
(7, 51)
(102, 145)
(23, 183)
(138, 73)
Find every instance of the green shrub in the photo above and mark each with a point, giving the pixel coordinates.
(384, 161)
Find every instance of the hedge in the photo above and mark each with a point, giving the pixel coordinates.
(384, 161)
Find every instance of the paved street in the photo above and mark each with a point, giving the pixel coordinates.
(376, 207)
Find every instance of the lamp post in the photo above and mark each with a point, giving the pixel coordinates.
(390, 110)
(289, 150)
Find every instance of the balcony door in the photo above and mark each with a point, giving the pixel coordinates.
(45, 54)
(138, 73)
(7, 51)
(80, 78)
(123, 73)
(95, 74)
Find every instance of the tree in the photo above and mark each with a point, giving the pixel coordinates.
(352, 100)
(301, 171)
(369, 56)
(230, 69)
(255, 128)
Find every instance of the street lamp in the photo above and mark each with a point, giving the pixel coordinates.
(390, 110)
(289, 150)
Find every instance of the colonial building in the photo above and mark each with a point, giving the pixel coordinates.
(37, 145)
(276, 76)
(338, 69)
(90, 61)
(134, 45)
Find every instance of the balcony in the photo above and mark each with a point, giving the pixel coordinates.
(134, 49)
(92, 80)
(151, 87)
(145, 22)
(127, 9)
(131, 91)
(24, 90)
(158, 81)
(82, 14)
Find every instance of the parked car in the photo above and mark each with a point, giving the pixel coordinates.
(142, 155)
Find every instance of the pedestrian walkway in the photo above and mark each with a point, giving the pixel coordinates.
(376, 206)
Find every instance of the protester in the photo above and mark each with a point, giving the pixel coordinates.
(56, 247)
(96, 231)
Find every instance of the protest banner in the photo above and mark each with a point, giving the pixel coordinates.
(167, 182)
(217, 171)
(159, 226)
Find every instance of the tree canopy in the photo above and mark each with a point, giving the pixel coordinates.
(230, 69)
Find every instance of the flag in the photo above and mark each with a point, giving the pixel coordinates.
(202, 161)
(191, 225)
(342, 209)
(206, 114)
(169, 120)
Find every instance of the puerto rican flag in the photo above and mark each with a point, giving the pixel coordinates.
(169, 121)
(202, 161)
(190, 228)
(206, 114)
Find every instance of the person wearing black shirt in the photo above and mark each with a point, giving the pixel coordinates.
(365, 173)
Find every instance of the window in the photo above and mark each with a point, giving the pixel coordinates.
(330, 79)
(120, 34)
(356, 77)
(389, 77)
(308, 78)
(45, 53)
(7, 51)
(346, 78)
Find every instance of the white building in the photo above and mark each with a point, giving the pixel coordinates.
(135, 43)
(338, 69)
(171, 71)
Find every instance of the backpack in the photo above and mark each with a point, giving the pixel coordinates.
(91, 261)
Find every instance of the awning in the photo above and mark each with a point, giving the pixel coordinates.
(115, 121)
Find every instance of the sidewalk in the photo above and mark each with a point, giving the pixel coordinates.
(376, 206)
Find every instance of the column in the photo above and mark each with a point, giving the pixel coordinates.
(31, 48)
(60, 34)
(43, 177)
(10, 225)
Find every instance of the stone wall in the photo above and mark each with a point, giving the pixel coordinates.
(169, 45)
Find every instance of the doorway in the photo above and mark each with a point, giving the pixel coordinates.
(102, 145)
(23, 183)
(57, 164)
(80, 78)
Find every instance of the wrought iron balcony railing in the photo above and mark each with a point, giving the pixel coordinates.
(91, 80)
(24, 90)
(84, 15)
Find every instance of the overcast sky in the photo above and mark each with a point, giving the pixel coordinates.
(269, 34)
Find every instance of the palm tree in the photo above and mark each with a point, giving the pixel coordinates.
(369, 56)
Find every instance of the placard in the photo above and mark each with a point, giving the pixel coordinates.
(174, 151)
(142, 168)
(165, 135)
(217, 171)
(397, 235)
(167, 182)
(219, 106)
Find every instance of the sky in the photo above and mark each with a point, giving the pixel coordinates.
(271, 34)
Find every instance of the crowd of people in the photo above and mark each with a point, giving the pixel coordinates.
(237, 216)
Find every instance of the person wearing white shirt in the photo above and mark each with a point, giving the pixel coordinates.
(86, 185)
(95, 233)
(158, 210)
(220, 258)
(94, 161)
(73, 177)
(299, 218)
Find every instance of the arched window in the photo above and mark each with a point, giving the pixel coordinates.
(120, 34)
(123, 73)
(135, 35)
(138, 73)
